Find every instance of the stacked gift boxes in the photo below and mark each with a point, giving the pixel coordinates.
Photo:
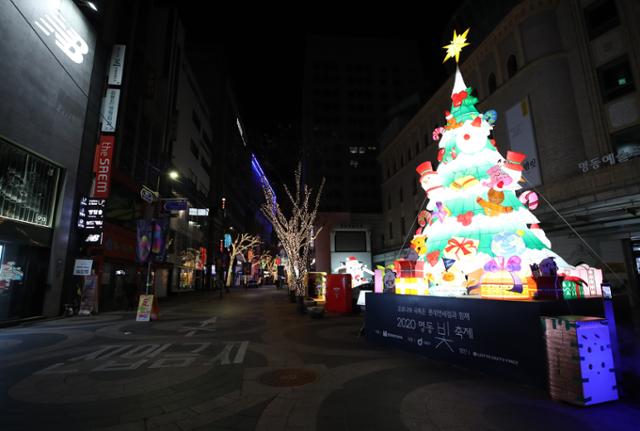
(410, 277)
(581, 368)
(591, 280)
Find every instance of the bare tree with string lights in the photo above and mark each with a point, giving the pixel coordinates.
(240, 245)
(296, 232)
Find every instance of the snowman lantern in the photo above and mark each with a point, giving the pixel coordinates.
(430, 181)
(472, 136)
(513, 167)
(357, 270)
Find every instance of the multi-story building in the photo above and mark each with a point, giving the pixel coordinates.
(165, 129)
(349, 86)
(563, 77)
(235, 176)
(47, 122)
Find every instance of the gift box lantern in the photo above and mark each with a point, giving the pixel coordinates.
(581, 367)
(502, 280)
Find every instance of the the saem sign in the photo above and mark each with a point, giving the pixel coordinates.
(103, 165)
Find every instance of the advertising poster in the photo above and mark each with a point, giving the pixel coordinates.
(145, 305)
(498, 337)
(522, 139)
(82, 267)
(159, 244)
(143, 240)
(89, 299)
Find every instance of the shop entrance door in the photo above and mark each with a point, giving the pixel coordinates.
(23, 272)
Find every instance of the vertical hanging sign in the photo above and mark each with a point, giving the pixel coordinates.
(522, 139)
(116, 65)
(103, 165)
(110, 110)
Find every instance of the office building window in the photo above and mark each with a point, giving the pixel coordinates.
(615, 78)
(205, 165)
(600, 17)
(492, 83)
(207, 141)
(390, 230)
(415, 187)
(403, 231)
(512, 66)
(194, 149)
(408, 154)
(388, 201)
(196, 120)
(350, 241)
(626, 144)
(400, 194)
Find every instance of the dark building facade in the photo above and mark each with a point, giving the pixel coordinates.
(48, 93)
(563, 77)
(349, 86)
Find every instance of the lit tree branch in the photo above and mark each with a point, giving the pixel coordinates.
(296, 232)
(240, 245)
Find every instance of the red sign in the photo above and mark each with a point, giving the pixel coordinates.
(203, 258)
(103, 165)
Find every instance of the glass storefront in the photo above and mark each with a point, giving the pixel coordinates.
(23, 271)
(28, 186)
(28, 192)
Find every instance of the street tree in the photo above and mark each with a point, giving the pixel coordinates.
(239, 246)
(296, 231)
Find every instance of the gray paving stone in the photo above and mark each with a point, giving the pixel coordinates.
(359, 386)
(173, 417)
(138, 414)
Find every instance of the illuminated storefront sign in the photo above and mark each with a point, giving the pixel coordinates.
(110, 110)
(28, 186)
(102, 166)
(91, 219)
(66, 38)
(116, 65)
(198, 212)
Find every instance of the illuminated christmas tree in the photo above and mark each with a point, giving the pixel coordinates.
(476, 235)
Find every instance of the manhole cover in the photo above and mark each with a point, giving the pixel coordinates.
(288, 377)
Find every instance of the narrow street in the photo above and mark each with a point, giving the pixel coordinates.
(249, 361)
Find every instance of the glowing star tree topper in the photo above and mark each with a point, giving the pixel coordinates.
(458, 42)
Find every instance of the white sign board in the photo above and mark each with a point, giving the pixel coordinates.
(116, 65)
(82, 267)
(110, 110)
(199, 212)
(522, 139)
(362, 298)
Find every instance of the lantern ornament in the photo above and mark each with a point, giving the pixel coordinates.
(476, 235)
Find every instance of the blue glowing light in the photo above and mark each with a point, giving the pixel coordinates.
(260, 173)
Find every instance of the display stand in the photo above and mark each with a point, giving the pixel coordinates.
(503, 338)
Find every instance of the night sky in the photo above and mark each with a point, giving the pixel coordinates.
(265, 46)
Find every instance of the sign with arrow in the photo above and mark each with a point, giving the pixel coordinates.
(179, 204)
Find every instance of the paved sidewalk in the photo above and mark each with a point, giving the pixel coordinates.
(249, 362)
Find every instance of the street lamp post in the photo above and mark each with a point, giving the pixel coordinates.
(174, 175)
